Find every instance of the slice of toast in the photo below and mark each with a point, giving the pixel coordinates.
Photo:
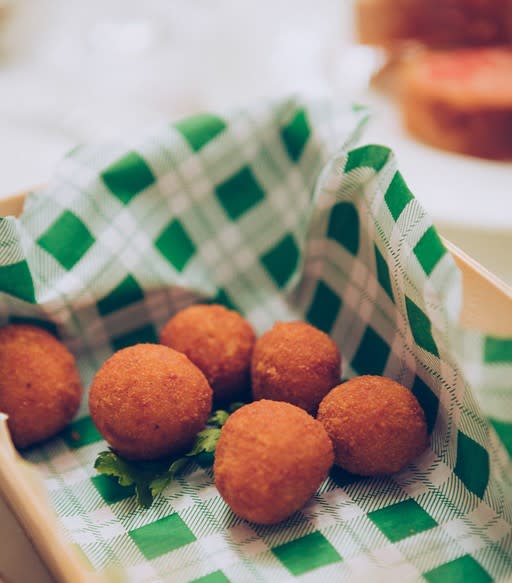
(435, 23)
(460, 100)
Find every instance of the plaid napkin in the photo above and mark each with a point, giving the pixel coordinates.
(275, 212)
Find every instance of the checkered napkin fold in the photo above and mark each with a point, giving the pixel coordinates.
(273, 211)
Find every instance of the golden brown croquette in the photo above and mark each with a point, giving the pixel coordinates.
(295, 362)
(217, 340)
(270, 459)
(40, 387)
(376, 425)
(149, 401)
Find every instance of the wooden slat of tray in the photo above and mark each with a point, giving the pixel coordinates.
(22, 490)
(12, 205)
(19, 560)
(487, 300)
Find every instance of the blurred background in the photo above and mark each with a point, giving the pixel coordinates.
(75, 72)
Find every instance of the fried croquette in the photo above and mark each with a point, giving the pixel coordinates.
(270, 459)
(376, 425)
(149, 401)
(295, 362)
(217, 340)
(40, 388)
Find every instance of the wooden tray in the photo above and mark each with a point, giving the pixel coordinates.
(487, 306)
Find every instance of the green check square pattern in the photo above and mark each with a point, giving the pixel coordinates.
(137, 336)
(383, 273)
(162, 536)
(461, 570)
(306, 553)
(127, 292)
(175, 245)
(281, 260)
(402, 520)
(428, 401)
(324, 308)
(421, 327)
(344, 226)
(372, 355)
(15, 279)
(200, 129)
(398, 196)
(277, 213)
(81, 432)
(110, 490)
(215, 577)
(296, 135)
(239, 193)
(472, 465)
(497, 349)
(429, 250)
(68, 227)
(127, 177)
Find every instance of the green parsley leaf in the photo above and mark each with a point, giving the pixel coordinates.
(160, 483)
(150, 478)
(111, 464)
(206, 441)
(129, 473)
(218, 418)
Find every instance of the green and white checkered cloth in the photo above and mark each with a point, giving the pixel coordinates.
(275, 212)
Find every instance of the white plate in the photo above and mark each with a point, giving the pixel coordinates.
(456, 190)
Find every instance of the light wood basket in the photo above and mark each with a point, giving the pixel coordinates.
(487, 306)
